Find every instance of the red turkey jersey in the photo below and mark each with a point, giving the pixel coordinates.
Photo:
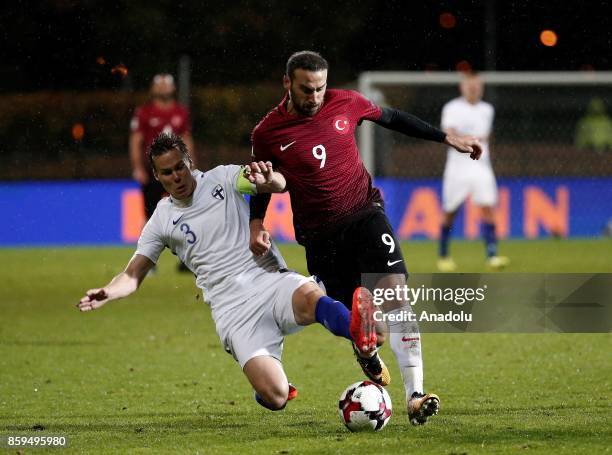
(150, 120)
(318, 156)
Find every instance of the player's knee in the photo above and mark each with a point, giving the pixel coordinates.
(278, 403)
(275, 397)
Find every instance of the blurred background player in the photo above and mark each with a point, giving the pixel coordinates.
(162, 114)
(338, 214)
(469, 114)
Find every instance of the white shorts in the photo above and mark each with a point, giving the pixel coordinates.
(258, 326)
(477, 181)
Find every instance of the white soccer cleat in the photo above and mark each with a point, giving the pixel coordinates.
(498, 262)
(447, 264)
(421, 406)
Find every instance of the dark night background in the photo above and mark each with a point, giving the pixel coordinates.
(55, 44)
(86, 64)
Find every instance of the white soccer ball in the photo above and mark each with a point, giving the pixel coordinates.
(365, 406)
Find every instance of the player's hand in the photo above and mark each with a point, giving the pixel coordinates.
(465, 144)
(259, 242)
(140, 175)
(93, 299)
(260, 173)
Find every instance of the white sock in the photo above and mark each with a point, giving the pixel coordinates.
(413, 380)
(405, 341)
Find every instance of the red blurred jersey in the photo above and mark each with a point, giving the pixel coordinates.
(150, 120)
(318, 156)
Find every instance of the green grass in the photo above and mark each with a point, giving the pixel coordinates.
(148, 374)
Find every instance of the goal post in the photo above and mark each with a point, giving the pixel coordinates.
(523, 100)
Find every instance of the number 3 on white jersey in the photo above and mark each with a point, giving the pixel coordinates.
(318, 151)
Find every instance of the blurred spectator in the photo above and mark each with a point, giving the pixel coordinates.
(594, 130)
(161, 114)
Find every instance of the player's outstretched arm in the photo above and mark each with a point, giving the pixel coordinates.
(410, 125)
(121, 286)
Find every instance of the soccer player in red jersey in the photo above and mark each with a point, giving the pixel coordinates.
(338, 215)
(161, 115)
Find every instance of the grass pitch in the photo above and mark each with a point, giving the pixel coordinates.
(148, 374)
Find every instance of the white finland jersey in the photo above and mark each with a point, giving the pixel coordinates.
(210, 235)
(465, 118)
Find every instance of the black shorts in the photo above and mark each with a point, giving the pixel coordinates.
(364, 246)
(152, 193)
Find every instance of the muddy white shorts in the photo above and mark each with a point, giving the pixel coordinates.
(258, 325)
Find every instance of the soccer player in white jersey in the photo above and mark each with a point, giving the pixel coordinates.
(255, 300)
(463, 177)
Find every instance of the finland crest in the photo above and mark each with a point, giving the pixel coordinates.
(218, 192)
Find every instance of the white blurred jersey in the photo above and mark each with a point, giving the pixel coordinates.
(468, 119)
(210, 235)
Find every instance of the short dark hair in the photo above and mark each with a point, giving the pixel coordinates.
(163, 143)
(305, 60)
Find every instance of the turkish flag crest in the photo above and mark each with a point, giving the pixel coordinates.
(341, 124)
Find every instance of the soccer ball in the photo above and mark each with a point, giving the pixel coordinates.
(365, 406)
